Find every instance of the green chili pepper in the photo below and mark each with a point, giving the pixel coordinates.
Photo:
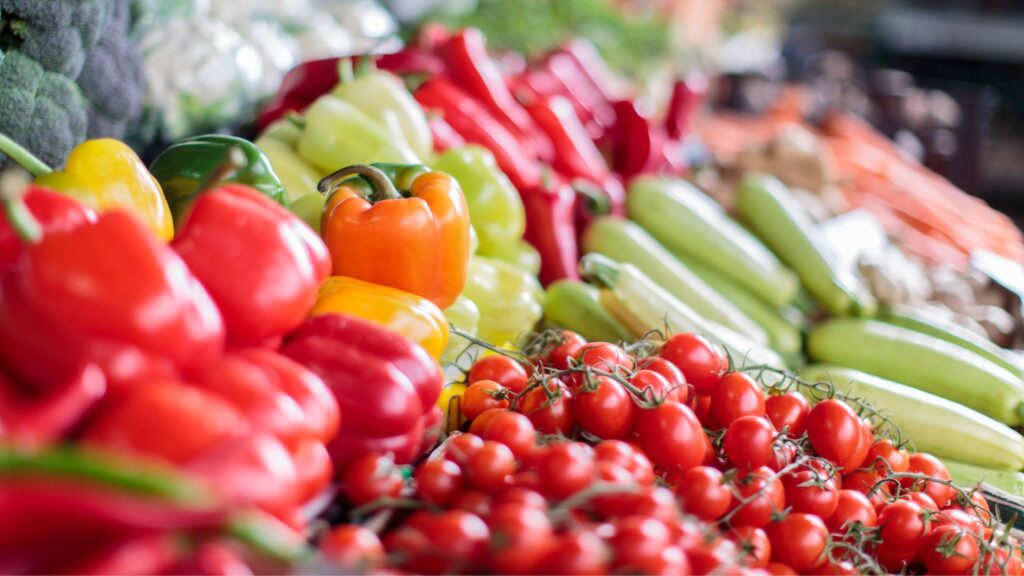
(465, 316)
(510, 299)
(297, 176)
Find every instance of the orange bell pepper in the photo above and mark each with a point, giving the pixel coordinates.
(416, 240)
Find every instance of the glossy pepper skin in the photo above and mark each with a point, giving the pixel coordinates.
(260, 263)
(386, 385)
(35, 421)
(297, 177)
(151, 317)
(106, 174)
(576, 155)
(412, 316)
(55, 213)
(189, 166)
(510, 300)
(417, 240)
(495, 209)
(551, 230)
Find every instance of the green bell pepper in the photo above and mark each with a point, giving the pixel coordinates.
(495, 208)
(510, 300)
(384, 97)
(189, 166)
(337, 133)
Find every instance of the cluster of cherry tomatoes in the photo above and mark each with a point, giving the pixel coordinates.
(587, 459)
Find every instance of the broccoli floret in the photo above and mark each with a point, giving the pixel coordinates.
(113, 80)
(43, 111)
(55, 33)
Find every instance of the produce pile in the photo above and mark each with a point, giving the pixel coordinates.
(453, 312)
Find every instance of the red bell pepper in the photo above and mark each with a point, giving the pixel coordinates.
(261, 264)
(54, 211)
(550, 229)
(39, 422)
(107, 292)
(476, 124)
(385, 384)
(473, 69)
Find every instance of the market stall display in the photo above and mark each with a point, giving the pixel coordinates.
(453, 310)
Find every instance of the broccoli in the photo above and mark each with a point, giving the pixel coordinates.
(67, 70)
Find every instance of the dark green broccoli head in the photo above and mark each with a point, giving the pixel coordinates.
(113, 80)
(55, 33)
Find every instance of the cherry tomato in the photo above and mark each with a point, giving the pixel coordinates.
(352, 548)
(885, 457)
(521, 495)
(799, 541)
(438, 480)
(459, 448)
(489, 466)
(788, 411)
(701, 406)
(600, 356)
(655, 388)
(837, 568)
(677, 385)
(735, 396)
(748, 442)
(702, 492)
(501, 369)
(370, 477)
(479, 424)
(605, 411)
(950, 550)
(809, 492)
(564, 469)
(671, 436)
(860, 453)
(474, 502)
(957, 517)
(901, 527)
(757, 495)
(521, 538)
(718, 556)
(569, 346)
(866, 482)
(755, 549)
(779, 569)
(851, 506)
(1002, 562)
(578, 553)
(625, 455)
(700, 362)
(549, 407)
(923, 500)
(483, 395)
(928, 465)
(834, 431)
(636, 540)
(513, 430)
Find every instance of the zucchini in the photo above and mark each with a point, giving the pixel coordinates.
(624, 241)
(576, 306)
(918, 321)
(921, 361)
(641, 305)
(784, 225)
(968, 475)
(935, 425)
(692, 225)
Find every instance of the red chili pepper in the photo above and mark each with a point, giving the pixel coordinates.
(476, 124)
(687, 95)
(564, 70)
(39, 422)
(550, 229)
(473, 69)
(592, 73)
(576, 155)
(54, 211)
(261, 264)
(445, 136)
(385, 384)
(108, 293)
(639, 147)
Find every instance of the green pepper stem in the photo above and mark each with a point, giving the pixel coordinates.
(346, 71)
(13, 185)
(596, 202)
(26, 159)
(365, 65)
(382, 187)
(600, 269)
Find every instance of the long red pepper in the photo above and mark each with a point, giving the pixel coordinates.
(472, 68)
(687, 95)
(576, 155)
(476, 124)
(550, 229)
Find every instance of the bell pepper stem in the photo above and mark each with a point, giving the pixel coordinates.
(23, 157)
(382, 187)
(13, 185)
(346, 71)
(365, 65)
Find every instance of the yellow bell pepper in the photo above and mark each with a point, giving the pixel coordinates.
(412, 316)
(105, 174)
(450, 402)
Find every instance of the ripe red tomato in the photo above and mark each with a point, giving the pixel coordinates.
(735, 396)
(779, 569)
(755, 548)
(568, 348)
(521, 495)
(884, 456)
(788, 411)
(834, 431)
(958, 517)
(483, 395)
(901, 527)
(950, 550)
(606, 410)
(654, 387)
(671, 374)
(799, 541)
(629, 458)
(671, 436)
(1002, 561)
(923, 500)
(549, 407)
(757, 495)
(700, 361)
(513, 430)
(748, 442)
(352, 548)
(500, 369)
(370, 477)
(564, 469)
(474, 502)
(488, 467)
(438, 480)
(603, 356)
(577, 553)
(922, 463)
(461, 446)
(809, 492)
(483, 420)
(635, 539)
(521, 536)
(851, 506)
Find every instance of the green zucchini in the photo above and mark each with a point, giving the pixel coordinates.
(692, 225)
(576, 306)
(641, 305)
(784, 225)
(921, 361)
(625, 241)
(933, 424)
(968, 475)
